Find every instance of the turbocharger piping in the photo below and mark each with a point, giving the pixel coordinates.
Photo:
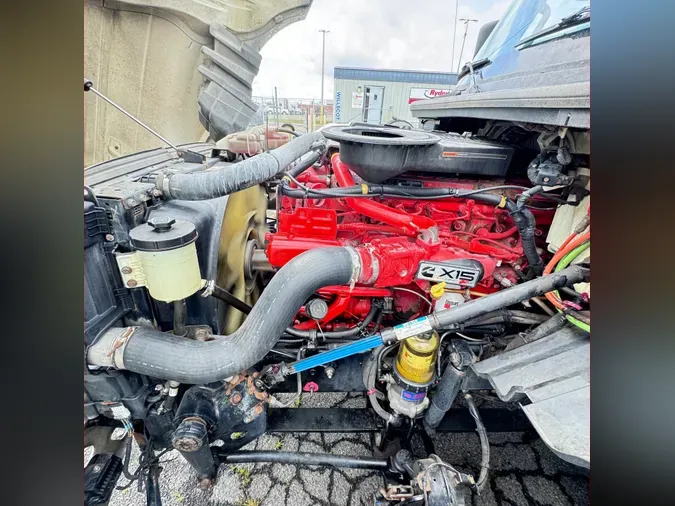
(162, 355)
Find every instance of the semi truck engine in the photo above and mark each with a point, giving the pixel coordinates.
(396, 261)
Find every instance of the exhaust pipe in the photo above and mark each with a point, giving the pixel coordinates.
(162, 355)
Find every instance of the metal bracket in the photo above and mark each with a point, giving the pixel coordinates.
(192, 157)
(548, 174)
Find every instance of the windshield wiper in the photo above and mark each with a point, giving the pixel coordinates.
(475, 65)
(578, 18)
(583, 14)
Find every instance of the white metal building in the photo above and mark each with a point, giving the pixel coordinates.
(380, 95)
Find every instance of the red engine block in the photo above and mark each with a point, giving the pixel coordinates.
(391, 231)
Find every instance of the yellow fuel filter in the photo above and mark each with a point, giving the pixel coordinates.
(416, 359)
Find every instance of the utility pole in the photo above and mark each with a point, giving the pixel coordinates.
(276, 107)
(466, 29)
(323, 59)
(454, 37)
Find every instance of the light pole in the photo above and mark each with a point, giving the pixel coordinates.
(466, 29)
(323, 59)
(454, 37)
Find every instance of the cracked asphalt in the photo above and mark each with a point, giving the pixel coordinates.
(523, 471)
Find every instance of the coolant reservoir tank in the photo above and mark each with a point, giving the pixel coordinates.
(168, 256)
(416, 359)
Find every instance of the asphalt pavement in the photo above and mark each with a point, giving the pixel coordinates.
(523, 471)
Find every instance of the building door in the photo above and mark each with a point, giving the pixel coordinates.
(372, 104)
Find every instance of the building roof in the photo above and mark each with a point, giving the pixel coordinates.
(395, 75)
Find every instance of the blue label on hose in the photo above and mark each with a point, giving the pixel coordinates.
(412, 396)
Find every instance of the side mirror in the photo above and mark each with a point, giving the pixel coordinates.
(483, 34)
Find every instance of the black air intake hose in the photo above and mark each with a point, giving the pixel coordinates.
(255, 170)
(305, 163)
(148, 351)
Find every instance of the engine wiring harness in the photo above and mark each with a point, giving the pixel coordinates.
(571, 249)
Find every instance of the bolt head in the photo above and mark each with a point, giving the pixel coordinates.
(132, 283)
(126, 270)
(109, 237)
(236, 398)
(547, 179)
(330, 372)
(97, 468)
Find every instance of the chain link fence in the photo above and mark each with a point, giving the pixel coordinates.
(303, 113)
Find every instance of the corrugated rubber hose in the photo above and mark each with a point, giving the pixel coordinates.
(161, 355)
(231, 178)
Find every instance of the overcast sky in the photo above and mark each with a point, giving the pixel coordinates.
(400, 34)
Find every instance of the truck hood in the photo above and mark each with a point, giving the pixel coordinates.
(185, 67)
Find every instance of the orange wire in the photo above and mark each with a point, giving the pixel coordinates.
(570, 243)
(567, 241)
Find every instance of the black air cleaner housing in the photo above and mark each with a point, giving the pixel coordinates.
(379, 153)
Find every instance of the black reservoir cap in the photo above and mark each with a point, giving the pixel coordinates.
(163, 233)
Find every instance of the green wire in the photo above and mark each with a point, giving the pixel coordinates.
(567, 259)
(578, 323)
(564, 262)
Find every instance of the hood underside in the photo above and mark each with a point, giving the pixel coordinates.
(186, 67)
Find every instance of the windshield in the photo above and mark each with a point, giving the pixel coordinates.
(525, 18)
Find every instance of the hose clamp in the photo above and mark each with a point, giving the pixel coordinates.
(429, 236)
(207, 289)
(318, 145)
(109, 350)
(356, 266)
(368, 266)
(162, 183)
(376, 268)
